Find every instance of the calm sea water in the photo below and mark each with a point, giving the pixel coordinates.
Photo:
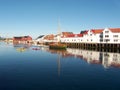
(26, 67)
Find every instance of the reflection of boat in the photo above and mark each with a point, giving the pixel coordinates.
(35, 48)
(21, 49)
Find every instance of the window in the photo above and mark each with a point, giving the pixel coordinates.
(106, 31)
(106, 40)
(106, 35)
(115, 40)
(91, 40)
(114, 55)
(101, 36)
(91, 53)
(115, 35)
(101, 40)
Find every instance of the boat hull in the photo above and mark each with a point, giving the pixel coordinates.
(60, 47)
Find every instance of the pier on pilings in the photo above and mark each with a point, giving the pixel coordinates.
(110, 47)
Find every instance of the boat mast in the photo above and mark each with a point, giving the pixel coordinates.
(59, 31)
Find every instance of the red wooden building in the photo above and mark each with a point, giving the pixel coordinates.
(22, 39)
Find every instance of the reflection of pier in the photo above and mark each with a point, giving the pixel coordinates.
(93, 57)
(96, 57)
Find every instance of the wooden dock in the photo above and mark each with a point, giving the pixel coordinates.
(96, 46)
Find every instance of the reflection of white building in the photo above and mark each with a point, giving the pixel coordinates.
(111, 59)
(106, 60)
(89, 56)
(95, 57)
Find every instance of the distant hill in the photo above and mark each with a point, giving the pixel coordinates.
(1, 38)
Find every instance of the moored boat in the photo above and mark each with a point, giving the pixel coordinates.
(58, 46)
(21, 49)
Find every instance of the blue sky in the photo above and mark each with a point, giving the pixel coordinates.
(36, 17)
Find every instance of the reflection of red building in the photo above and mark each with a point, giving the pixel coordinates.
(115, 64)
(22, 39)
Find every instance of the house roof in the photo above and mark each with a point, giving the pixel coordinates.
(115, 30)
(66, 33)
(21, 37)
(17, 37)
(75, 35)
(84, 32)
(40, 36)
(79, 35)
(97, 31)
(71, 35)
(49, 37)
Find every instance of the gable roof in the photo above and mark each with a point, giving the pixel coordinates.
(115, 30)
(97, 31)
(66, 33)
(84, 32)
(49, 37)
(79, 35)
(71, 35)
(40, 36)
(19, 37)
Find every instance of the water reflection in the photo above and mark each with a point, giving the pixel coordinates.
(55, 69)
(59, 65)
(21, 47)
(106, 59)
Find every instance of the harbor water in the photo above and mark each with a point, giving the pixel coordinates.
(29, 67)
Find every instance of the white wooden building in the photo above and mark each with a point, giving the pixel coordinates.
(107, 35)
(111, 35)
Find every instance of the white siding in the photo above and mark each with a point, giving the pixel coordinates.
(105, 37)
(109, 37)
